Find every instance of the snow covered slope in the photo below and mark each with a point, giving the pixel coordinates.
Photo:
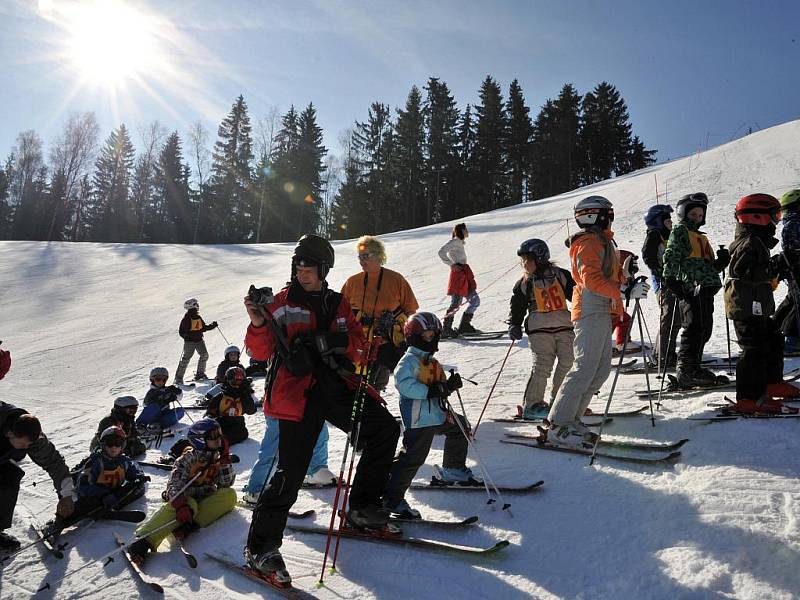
(86, 322)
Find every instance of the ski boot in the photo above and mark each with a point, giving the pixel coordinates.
(322, 477)
(465, 326)
(763, 406)
(200, 377)
(401, 510)
(537, 412)
(447, 328)
(692, 376)
(368, 517)
(139, 550)
(782, 389)
(456, 476)
(565, 436)
(269, 566)
(250, 498)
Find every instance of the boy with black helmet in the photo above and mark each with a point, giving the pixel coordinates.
(232, 355)
(424, 388)
(229, 401)
(540, 300)
(787, 313)
(198, 491)
(123, 414)
(749, 303)
(691, 272)
(658, 220)
(596, 300)
(108, 479)
(313, 336)
(191, 330)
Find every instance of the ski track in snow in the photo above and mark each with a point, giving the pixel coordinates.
(85, 322)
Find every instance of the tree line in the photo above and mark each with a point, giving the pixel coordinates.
(426, 162)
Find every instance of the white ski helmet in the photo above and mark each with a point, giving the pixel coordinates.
(191, 303)
(159, 372)
(230, 349)
(594, 211)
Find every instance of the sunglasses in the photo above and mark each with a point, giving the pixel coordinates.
(364, 256)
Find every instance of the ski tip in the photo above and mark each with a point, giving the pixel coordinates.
(499, 545)
(192, 561)
(470, 520)
(157, 588)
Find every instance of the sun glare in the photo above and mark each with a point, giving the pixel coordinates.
(110, 42)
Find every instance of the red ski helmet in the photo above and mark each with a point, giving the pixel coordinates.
(758, 209)
(235, 376)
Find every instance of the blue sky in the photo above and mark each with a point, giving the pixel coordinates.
(687, 70)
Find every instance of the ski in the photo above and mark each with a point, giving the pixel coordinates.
(664, 458)
(587, 423)
(392, 537)
(186, 386)
(127, 516)
(671, 388)
(436, 484)
(621, 413)
(292, 515)
(287, 591)
(53, 548)
(446, 524)
(483, 335)
(155, 465)
(140, 575)
(735, 415)
(604, 443)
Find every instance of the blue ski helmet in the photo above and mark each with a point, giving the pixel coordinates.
(536, 248)
(656, 215)
(201, 431)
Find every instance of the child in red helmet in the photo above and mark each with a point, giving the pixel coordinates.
(749, 303)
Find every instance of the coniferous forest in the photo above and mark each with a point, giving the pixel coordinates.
(270, 178)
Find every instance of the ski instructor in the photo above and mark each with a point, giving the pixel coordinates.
(20, 436)
(315, 340)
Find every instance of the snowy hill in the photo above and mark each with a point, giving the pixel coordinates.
(86, 322)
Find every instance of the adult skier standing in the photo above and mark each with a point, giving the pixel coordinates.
(461, 284)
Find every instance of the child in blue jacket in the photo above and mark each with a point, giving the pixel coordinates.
(424, 389)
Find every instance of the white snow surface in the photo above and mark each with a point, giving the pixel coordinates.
(86, 322)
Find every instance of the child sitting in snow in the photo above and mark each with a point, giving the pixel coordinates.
(157, 413)
(232, 354)
(123, 415)
(229, 401)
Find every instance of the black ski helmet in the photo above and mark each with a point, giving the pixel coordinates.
(690, 201)
(312, 250)
(536, 248)
(656, 215)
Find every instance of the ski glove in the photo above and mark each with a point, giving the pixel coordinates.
(723, 259)
(225, 452)
(183, 512)
(213, 325)
(515, 332)
(637, 291)
(438, 390)
(779, 267)
(454, 383)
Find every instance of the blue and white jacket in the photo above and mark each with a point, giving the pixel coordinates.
(416, 370)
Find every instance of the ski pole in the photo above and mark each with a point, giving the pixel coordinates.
(223, 335)
(463, 410)
(481, 464)
(727, 326)
(637, 312)
(610, 396)
(485, 404)
(663, 361)
(108, 557)
(185, 412)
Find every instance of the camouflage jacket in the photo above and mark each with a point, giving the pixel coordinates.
(689, 258)
(213, 476)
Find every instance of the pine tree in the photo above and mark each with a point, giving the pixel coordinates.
(230, 212)
(410, 165)
(518, 143)
(639, 157)
(490, 128)
(172, 218)
(464, 184)
(25, 193)
(442, 161)
(350, 211)
(374, 140)
(110, 217)
(310, 168)
(281, 180)
(556, 151)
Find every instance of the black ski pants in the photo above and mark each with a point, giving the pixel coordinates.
(416, 446)
(10, 477)
(669, 324)
(786, 317)
(761, 361)
(697, 318)
(377, 439)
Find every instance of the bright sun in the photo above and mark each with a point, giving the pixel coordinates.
(110, 42)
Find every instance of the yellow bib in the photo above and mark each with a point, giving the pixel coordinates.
(550, 299)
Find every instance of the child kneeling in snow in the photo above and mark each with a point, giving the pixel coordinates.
(198, 492)
(229, 401)
(424, 389)
(109, 480)
(123, 415)
(157, 413)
